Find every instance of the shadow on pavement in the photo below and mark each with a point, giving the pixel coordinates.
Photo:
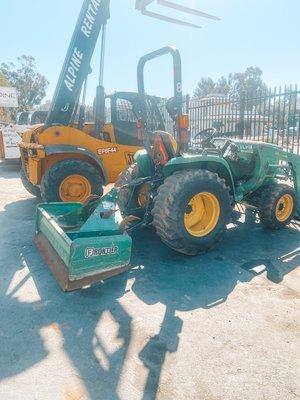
(75, 315)
(9, 169)
(184, 283)
(161, 275)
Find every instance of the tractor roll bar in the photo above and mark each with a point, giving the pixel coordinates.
(177, 101)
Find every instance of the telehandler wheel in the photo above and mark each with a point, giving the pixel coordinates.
(191, 211)
(71, 181)
(277, 206)
(132, 198)
(32, 189)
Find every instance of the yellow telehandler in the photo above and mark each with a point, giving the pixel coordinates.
(67, 158)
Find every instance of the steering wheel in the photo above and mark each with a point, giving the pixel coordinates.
(206, 135)
(204, 138)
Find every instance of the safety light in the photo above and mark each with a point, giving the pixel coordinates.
(184, 121)
(184, 134)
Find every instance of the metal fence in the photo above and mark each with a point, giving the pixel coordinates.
(271, 116)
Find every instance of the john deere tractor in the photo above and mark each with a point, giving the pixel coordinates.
(189, 194)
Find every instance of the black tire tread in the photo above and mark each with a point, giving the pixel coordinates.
(56, 172)
(32, 189)
(165, 212)
(127, 199)
(126, 176)
(268, 200)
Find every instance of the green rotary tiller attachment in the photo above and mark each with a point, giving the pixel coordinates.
(83, 244)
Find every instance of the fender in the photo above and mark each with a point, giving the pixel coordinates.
(208, 162)
(65, 148)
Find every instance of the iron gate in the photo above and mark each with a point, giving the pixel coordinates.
(271, 116)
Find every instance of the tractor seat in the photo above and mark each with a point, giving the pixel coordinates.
(164, 147)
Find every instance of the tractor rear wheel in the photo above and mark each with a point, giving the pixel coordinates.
(71, 181)
(32, 189)
(132, 200)
(191, 211)
(277, 206)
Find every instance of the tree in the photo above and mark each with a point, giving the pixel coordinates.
(204, 87)
(223, 86)
(3, 81)
(207, 86)
(45, 106)
(30, 84)
(246, 84)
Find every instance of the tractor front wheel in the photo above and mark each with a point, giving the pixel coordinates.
(277, 206)
(191, 211)
(71, 181)
(132, 200)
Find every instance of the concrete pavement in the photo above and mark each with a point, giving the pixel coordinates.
(224, 326)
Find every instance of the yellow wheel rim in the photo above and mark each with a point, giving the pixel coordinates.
(75, 188)
(143, 194)
(202, 214)
(284, 207)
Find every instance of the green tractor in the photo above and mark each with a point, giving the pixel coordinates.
(187, 194)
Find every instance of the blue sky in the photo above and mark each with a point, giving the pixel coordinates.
(263, 33)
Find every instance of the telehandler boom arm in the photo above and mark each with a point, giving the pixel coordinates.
(93, 17)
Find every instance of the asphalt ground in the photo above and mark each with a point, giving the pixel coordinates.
(223, 326)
